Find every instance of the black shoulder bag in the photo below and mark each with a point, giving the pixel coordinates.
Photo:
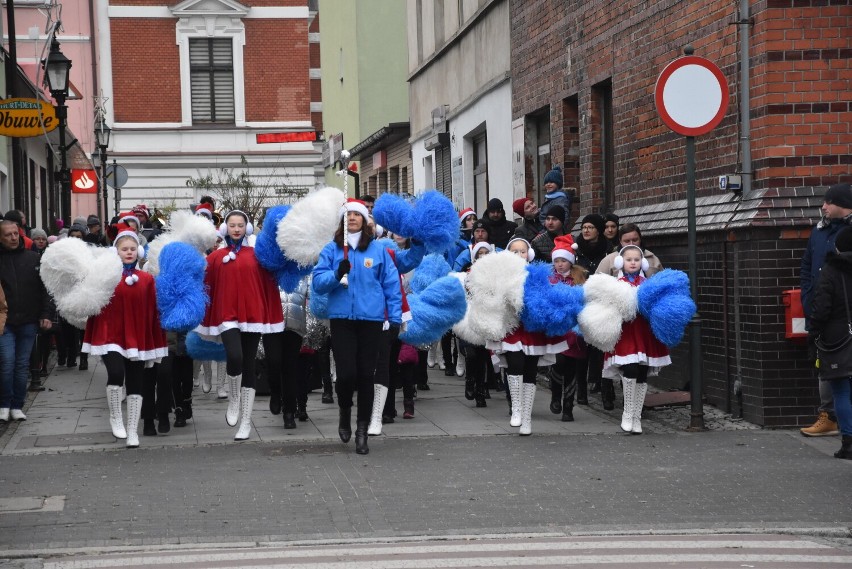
(835, 361)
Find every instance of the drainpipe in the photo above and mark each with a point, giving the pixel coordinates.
(744, 27)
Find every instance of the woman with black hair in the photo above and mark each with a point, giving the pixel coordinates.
(244, 303)
(362, 283)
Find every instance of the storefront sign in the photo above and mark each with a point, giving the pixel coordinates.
(21, 118)
(84, 181)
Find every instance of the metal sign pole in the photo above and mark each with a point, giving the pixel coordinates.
(696, 416)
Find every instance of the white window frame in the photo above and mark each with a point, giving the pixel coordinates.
(212, 25)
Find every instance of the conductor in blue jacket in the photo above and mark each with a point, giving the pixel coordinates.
(357, 311)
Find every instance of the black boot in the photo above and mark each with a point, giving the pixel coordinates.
(361, 437)
(344, 427)
(290, 420)
(302, 411)
(567, 406)
(480, 399)
(555, 403)
(469, 392)
(275, 403)
(845, 448)
(163, 423)
(84, 362)
(148, 428)
(180, 418)
(607, 394)
(327, 394)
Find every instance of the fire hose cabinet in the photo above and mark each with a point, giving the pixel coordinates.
(794, 314)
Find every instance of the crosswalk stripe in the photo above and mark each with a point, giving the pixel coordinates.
(538, 553)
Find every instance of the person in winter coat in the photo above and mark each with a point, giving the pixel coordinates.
(358, 307)
(28, 308)
(630, 234)
(41, 348)
(830, 307)
(282, 351)
(521, 353)
(96, 235)
(526, 209)
(20, 220)
(554, 226)
(591, 250)
(480, 232)
(477, 357)
(244, 303)
(126, 334)
(500, 229)
(554, 195)
(836, 215)
(563, 376)
(611, 231)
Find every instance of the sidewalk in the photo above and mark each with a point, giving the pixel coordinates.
(72, 415)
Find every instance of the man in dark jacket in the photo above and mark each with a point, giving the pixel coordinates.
(554, 226)
(29, 308)
(501, 229)
(95, 236)
(836, 214)
(526, 209)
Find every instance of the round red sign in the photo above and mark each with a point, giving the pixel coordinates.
(691, 95)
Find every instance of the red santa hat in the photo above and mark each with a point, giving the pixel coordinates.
(564, 248)
(465, 213)
(357, 206)
(204, 209)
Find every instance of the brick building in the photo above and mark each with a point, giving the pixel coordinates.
(195, 86)
(385, 159)
(583, 75)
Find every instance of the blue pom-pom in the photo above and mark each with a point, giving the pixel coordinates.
(388, 243)
(394, 214)
(181, 295)
(549, 308)
(434, 311)
(430, 269)
(664, 283)
(318, 304)
(669, 318)
(290, 275)
(204, 350)
(266, 249)
(435, 221)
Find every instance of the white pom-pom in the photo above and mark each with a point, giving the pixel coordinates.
(601, 326)
(575, 246)
(128, 280)
(606, 289)
(310, 225)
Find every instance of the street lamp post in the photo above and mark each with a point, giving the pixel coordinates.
(57, 68)
(102, 132)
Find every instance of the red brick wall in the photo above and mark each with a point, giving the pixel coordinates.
(276, 70)
(145, 88)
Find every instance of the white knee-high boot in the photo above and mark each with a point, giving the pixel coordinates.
(196, 369)
(134, 409)
(246, 406)
(116, 421)
(207, 376)
(528, 394)
(432, 354)
(380, 395)
(221, 376)
(515, 395)
(233, 412)
(638, 403)
(627, 417)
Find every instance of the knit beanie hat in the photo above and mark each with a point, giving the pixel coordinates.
(518, 206)
(80, 221)
(558, 212)
(843, 243)
(92, 220)
(554, 176)
(141, 211)
(494, 204)
(610, 217)
(481, 225)
(36, 233)
(77, 227)
(597, 220)
(564, 248)
(839, 195)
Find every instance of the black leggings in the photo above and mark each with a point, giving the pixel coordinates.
(120, 369)
(639, 372)
(355, 344)
(283, 366)
(566, 368)
(240, 352)
(518, 363)
(180, 370)
(383, 362)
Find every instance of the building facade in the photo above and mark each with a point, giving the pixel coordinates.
(583, 78)
(460, 96)
(363, 57)
(204, 87)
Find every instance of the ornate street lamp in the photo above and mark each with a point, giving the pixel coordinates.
(102, 132)
(57, 69)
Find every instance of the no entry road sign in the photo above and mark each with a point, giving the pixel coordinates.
(691, 95)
